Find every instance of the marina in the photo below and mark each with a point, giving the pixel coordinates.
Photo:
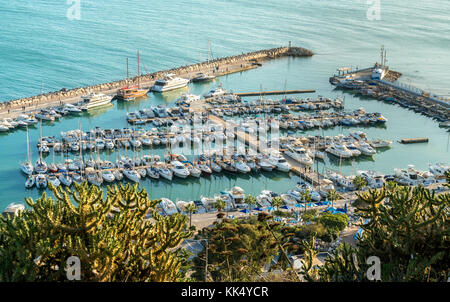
(142, 152)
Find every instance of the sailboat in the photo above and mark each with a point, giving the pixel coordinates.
(41, 166)
(129, 93)
(27, 166)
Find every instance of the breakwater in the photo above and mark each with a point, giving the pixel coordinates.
(219, 66)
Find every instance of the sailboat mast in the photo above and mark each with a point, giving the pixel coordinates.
(139, 73)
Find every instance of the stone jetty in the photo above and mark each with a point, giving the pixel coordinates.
(219, 66)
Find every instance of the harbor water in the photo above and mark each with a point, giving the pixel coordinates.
(65, 54)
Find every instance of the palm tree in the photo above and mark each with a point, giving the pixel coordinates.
(359, 183)
(333, 195)
(251, 201)
(306, 197)
(220, 204)
(277, 202)
(191, 208)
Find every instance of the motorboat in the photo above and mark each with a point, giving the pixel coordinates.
(299, 154)
(353, 149)
(205, 168)
(241, 166)
(117, 175)
(95, 100)
(288, 199)
(13, 209)
(193, 170)
(179, 169)
(279, 162)
(107, 175)
(129, 93)
(168, 206)
(169, 82)
(93, 177)
(366, 149)
(152, 172)
(201, 77)
(379, 143)
(65, 179)
(131, 174)
(219, 91)
(164, 172)
(339, 150)
(237, 195)
(215, 167)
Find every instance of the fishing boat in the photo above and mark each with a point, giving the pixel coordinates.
(169, 82)
(95, 100)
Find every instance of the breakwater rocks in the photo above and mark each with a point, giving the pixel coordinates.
(226, 64)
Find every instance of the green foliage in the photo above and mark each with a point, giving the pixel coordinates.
(277, 202)
(109, 234)
(334, 221)
(359, 182)
(309, 215)
(410, 235)
(239, 249)
(220, 204)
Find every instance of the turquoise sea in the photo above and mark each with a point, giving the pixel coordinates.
(40, 45)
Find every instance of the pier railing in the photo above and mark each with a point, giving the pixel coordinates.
(417, 91)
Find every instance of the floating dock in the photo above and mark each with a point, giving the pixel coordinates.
(414, 140)
(278, 92)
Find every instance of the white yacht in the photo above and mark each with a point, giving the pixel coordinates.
(107, 175)
(168, 206)
(237, 195)
(241, 166)
(95, 100)
(379, 143)
(179, 169)
(279, 162)
(219, 91)
(366, 149)
(299, 154)
(131, 174)
(169, 82)
(339, 151)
